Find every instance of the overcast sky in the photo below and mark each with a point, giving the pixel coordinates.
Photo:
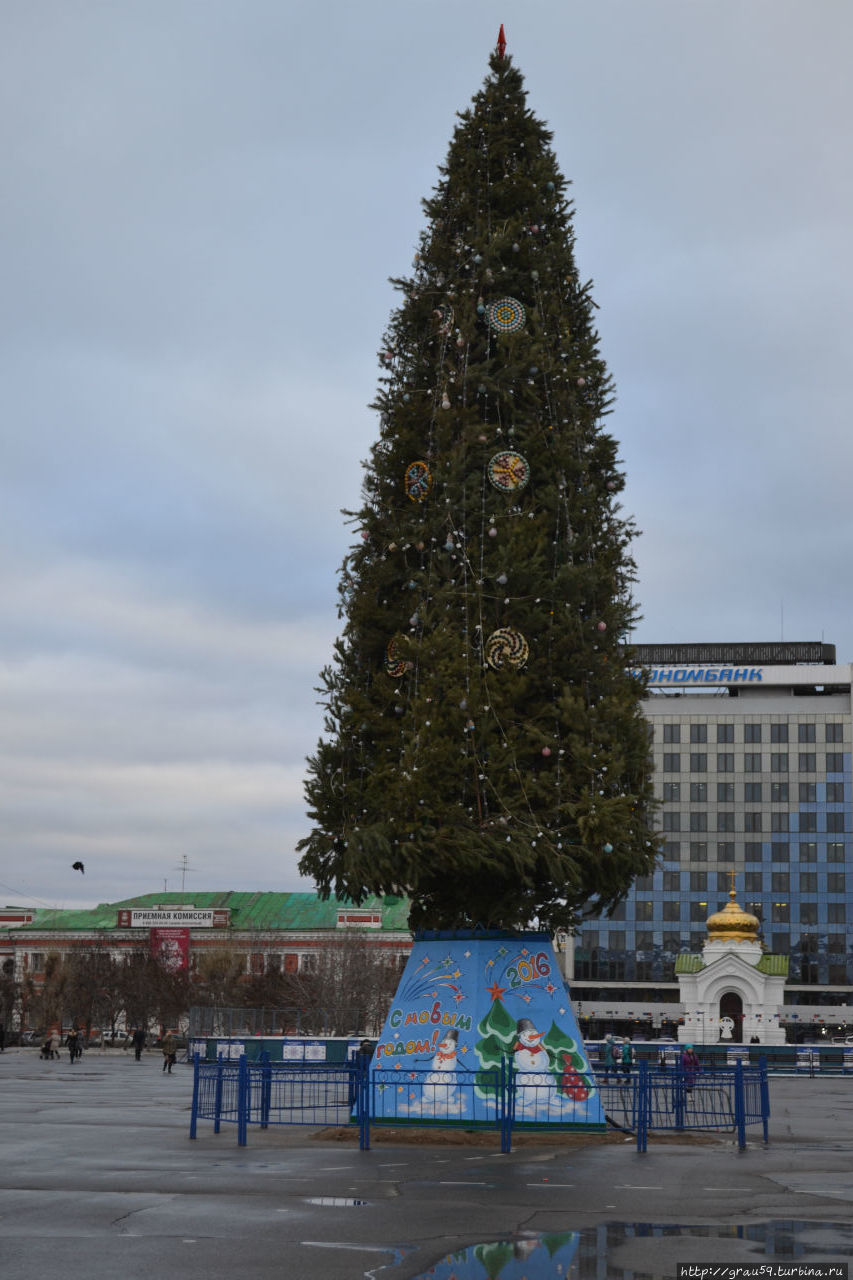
(201, 204)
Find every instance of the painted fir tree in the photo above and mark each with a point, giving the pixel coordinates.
(484, 751)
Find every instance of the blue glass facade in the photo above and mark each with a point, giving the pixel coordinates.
(755, 781)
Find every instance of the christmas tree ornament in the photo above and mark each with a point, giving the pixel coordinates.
(506, 647)
(395, 663)
(507, 315)
(418, 481)
(509, 472)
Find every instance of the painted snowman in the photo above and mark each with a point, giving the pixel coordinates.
(530, 1059)
(439, 1088)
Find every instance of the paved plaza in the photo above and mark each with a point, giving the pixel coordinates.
(99, 1175)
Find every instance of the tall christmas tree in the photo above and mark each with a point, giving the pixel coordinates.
(484, 751)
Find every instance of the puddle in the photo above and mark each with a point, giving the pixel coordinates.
(622, 1251)
(337, 1202)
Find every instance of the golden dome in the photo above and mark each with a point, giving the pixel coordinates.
(733, 922)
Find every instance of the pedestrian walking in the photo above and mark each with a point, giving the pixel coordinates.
(138, 1042)
(54, 1044)
(167, 1044)
(2, 1038)
(690, 1065)
(71, 1045)
(609, 1056)
(627, 1056)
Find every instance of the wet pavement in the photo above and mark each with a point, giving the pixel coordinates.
(97, 1167)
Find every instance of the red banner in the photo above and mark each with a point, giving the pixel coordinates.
(171, 947)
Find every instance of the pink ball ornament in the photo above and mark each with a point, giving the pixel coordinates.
(546, 751)
(601, 626)
(493, 533)
(581, 382)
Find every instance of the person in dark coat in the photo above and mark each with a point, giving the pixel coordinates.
(138, 1042)
(71, 1042)
(2, 1037)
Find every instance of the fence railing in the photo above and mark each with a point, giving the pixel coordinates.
(640, 1101)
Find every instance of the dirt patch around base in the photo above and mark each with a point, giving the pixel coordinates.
(402, 1137)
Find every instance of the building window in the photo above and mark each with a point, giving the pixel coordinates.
(836, 882)
(836, 913)
(756, 909)
(698, 792)
(752, 882)
(726, 851)
(672, 820)
(780, 882)
(698, 762)
(725, 762)
(835, 733)
(725, 733)
(807, 762)
(807, 792)
(699, 821)
(752, 793)
(672, 851)
(616, 940)
(671, 762)
(672, 881)
(618, 912)
(808, 851)
(273, 962)
(699, 881)
(779, 762)
(808, 822)
(779, 821)
(291, 962)
(643, 909)
(752, 733)
(725, 793)
(779, 851)
(752, 851)
(644, 940)
(835, 762)
(752, 821)
(780, 913)
(834, 851)
(671, 792)
(778, 793)
(644, 884)
(725, 820)
(806, 733)
(808, 883)
(309, 963)
(835, 944)
(699, 912)
(836, 974)
(37, 961)
(698, 851)
(835, 793)
(835, 822)
(671, 910)
(672, 733)
(698, 733)
(672, 943)
(752, 762)
(778, 733)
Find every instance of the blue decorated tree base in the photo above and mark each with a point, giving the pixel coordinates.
(469, 1007)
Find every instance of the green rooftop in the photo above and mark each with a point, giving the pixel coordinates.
(249, 911)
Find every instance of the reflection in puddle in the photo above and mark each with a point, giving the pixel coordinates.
(586, 1254)
(336, 1201)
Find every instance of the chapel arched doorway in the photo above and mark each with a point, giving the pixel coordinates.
(731, 1006)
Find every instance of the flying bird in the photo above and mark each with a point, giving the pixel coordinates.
(78, 866)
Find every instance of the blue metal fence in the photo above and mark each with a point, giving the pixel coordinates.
(642, 1100)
